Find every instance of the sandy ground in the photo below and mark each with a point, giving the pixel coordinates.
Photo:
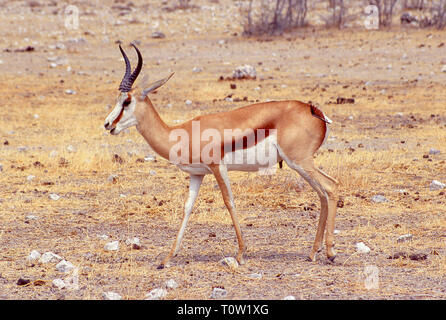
(377, 146)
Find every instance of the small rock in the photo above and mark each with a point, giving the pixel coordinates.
(171, 284)
(110, 295)
(53, 154)
(103, 237)
(69, 91)
(404, 238)
(230, 262)
(188, 102)
(156, 294)
(434, 151)
(336, 231)
(54, 196)
(418, 256)
(244, 72)
(218, 293)
(158, 35)
(59, 283)
(31, 217)
(149, 158)
(152, 172)
(436, 185)
(379, 198)
(112, 246)
(289, 298)
(22, 282)
(71, 148)
(443, 68)
(255, 276)
(64, 266)
(112, 178)
(362, 248)
(134, 243)
(49, 256)
(33, 256)
(197, 69)
(30, 177)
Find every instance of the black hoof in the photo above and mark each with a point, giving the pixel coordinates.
(161, 266)
(332, 259)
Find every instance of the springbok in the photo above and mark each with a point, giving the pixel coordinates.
(291, 130)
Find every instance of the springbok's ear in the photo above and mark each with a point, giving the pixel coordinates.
(155, 86)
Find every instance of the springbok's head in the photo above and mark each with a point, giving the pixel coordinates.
(123, 114)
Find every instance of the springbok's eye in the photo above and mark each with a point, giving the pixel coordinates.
(126, 102)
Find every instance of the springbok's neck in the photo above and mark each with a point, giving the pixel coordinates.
(154, 130)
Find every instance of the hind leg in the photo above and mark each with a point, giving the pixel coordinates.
(326, 188)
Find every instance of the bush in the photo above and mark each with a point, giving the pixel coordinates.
(272, 16)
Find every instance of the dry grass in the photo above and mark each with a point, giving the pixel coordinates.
(278, 213)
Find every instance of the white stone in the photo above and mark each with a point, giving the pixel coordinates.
(156, 294)
(149, 158)
(64, 266)
(112, 246)
(218, 293)
(436, 185)
(230, 262)
(188, 102)
(69, 91)
(54, 196)
(33, 256)
(134, 242)
(110, 295)
(171, 284)
(289, 298)
(434, 151)
(362, 248)
(379, 198)
(255, 276)
(244, 72)
(49, 256)
(71, 148)
(59, 283)
(404, 238)
(30, 177)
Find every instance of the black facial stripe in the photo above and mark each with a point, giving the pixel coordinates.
(126, 102)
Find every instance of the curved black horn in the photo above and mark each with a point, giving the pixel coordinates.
(138, 67)
(129, 79)
(124, 87)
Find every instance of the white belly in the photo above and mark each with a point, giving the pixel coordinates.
(262, 156)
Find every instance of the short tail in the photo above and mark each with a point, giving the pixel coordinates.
(315, 112)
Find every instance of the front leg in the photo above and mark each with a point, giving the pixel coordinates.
(194, 187)
(221, 175)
